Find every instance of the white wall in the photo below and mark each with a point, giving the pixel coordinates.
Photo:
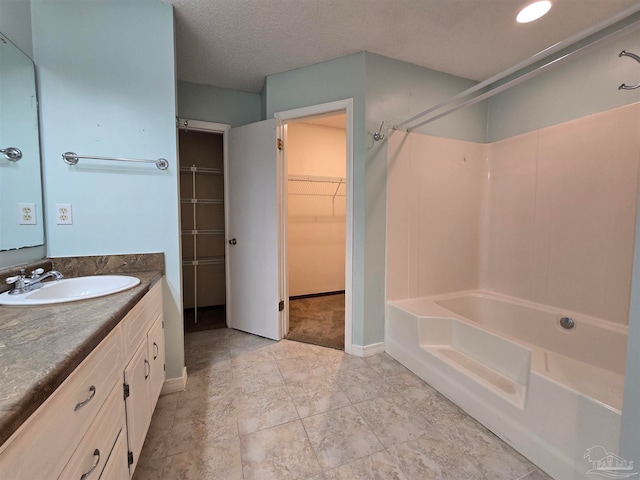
(107, 85)
(316, 228)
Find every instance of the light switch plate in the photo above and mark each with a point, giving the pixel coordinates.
(63, 214)
(26, 213)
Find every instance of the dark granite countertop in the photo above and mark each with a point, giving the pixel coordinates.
(41, 346)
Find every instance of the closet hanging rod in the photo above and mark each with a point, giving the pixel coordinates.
(527, 76)
(316, 178)
(525, 63)
(71, 158)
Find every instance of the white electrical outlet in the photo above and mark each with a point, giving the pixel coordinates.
(26, 213)
(63, 214)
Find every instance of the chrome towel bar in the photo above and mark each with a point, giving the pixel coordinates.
(71, 158)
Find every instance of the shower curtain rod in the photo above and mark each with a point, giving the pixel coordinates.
(525, 63)
(527, 76)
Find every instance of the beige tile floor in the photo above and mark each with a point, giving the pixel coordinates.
(258, 409)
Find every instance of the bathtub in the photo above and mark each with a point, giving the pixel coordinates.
(549, 391)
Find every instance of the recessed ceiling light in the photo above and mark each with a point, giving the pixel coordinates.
(533, 11)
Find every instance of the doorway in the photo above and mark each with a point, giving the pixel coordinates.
(202, 217)
(315, 158)
(317, 223)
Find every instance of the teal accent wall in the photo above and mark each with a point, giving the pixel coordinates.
(337, 79)
(382, 89)
(107, 87)
(583, 86)
(219, 105)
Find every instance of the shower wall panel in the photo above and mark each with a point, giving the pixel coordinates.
(436, 193)
(561, 217)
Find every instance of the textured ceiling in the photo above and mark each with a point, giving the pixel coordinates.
(236, 43)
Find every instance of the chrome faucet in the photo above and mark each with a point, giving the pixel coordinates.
(23, 284)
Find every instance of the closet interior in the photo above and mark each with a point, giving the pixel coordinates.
(316, 229)
(203, 223)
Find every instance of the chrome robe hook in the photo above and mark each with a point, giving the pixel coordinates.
(379, 135)
(624, 86)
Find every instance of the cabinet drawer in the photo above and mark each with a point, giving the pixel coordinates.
(138, 321)
(42, 446)
(90, 457)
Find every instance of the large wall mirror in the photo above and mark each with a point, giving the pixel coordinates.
(21, 216)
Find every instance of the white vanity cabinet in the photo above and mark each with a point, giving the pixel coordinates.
(145, 373)
(95, 449)
(93, 425)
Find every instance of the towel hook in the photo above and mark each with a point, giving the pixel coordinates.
(624, 86)
(379, 135)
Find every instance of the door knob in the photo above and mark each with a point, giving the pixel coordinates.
(233, 241)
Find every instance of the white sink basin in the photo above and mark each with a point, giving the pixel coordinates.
(71, 290)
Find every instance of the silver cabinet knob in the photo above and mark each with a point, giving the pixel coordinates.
(233, 241)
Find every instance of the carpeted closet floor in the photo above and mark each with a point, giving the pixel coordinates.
(318, 320)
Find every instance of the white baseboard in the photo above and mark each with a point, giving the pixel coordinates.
(367, 350)
(173, 385)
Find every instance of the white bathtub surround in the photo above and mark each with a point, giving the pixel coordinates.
(523, 231)
(499, 358)
(547, 216)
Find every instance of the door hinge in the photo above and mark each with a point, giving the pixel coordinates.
(281, 305)
(162, 323)
(164, 367)
(130, 458)
(279, 144)
(126, 390)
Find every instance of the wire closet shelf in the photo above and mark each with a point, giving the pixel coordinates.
(316, 196)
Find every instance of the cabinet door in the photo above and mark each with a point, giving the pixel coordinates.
(117, 467)
(138, 403)
(155, 339)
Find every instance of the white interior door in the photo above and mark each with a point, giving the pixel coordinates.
(252, 250)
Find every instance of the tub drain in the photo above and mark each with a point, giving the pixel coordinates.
(568, 323)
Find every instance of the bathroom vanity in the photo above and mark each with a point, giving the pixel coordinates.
(79, 384)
